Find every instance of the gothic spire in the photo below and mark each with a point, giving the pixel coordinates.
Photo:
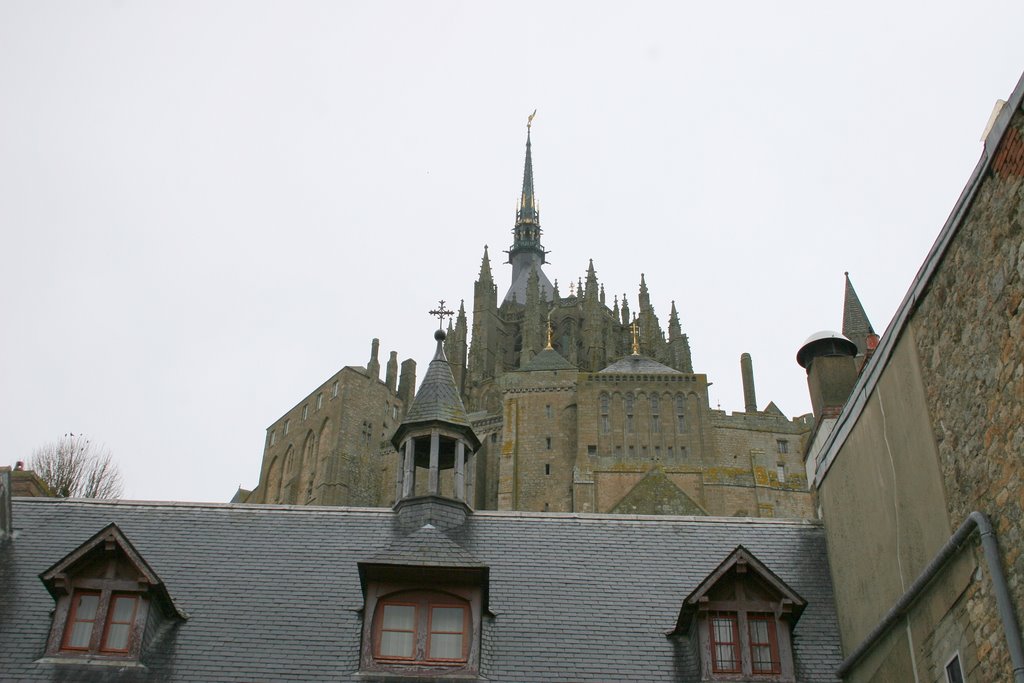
(485, 267)
(527, 202)
(527, 230)
(527, 252)
(674, 329)
(645, 297)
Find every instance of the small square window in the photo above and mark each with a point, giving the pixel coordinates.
(618, 451)
(591, 450)
(783, 445)
(632, 451)
(547, 442)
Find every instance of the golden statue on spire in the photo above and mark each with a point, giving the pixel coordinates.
(550, 331)
(529, 119)
(635, 329)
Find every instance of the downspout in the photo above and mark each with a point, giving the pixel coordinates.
(1011, 628)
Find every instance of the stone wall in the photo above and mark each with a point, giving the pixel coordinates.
(970, 337)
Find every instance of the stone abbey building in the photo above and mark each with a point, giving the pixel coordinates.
(913, 573)
(580, 407)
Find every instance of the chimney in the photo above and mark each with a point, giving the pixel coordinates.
(831, 368)
(407, 382)
(373, 367)
(391, 377)
(747, 371)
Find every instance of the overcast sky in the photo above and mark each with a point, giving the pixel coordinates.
(208, 208)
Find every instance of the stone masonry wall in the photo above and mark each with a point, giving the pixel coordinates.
(970, 331)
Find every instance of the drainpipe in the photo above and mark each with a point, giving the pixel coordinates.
(1011, 629)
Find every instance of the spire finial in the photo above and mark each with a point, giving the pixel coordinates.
(529, 121)
(550, 332)
(635, 329)
(440, 312)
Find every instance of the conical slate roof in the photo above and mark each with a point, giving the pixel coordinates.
(639, 365)
(548, 359)
(438, 397)
(437, 400)
(856, 326)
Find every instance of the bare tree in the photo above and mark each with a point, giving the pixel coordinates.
(75, 468)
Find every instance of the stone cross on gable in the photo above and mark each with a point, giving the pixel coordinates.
(441, 312)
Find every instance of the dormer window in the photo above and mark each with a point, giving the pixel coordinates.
(741, 617)
(115, 612)
(422, 626)
(107, 598)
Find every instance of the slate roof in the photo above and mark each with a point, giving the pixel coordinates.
(856, 325)
(438, 398)
(639, 365)
(426, 547)
(273, 592)
(548, 359)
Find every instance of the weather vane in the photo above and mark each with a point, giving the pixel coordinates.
(635, 329)
(441, 312)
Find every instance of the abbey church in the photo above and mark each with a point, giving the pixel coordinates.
(580, 407)
(464, 529)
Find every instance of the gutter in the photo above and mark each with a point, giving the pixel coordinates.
(975, 521)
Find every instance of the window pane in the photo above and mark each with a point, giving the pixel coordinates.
(725, 648)
(117, 637)
(124, 608)
(86, 607)
(399, 617)
(448, 619)
(396, 644)
(758, 631)
(445, 646)
(763, 658)
(81, 631)
(726, 657)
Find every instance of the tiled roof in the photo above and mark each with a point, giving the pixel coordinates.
(548, 359)
(273, 592)
(639, 365)
(425, 547)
